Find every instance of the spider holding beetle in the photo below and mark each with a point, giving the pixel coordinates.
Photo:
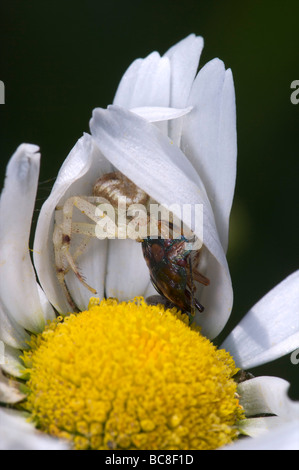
(172, 263)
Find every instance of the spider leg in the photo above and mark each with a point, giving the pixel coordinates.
(79, 250)
(102, 226)
(60, 265)
(62, 235)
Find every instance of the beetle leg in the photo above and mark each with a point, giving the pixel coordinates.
(199, 307)
(197, 276)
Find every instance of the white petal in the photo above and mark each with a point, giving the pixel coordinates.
(127, 273)
(184, 58)
(255, 427)
(92, 265)
(268, 395)
(18, 287)
(270, 329)
(209, 138)
(46, 306)
(158, 114)
(227, 148)
(145, 83)
(156, 165)
(11, 332)
(284, 437)
(17, 434)
(12, 362)
(83, 166)
(9, 390)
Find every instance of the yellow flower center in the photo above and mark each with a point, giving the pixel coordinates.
(131, 376)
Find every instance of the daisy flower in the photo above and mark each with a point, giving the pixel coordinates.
(121, 374)
(268, 331)
(176, 140)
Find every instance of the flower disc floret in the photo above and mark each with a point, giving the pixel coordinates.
(131, 376)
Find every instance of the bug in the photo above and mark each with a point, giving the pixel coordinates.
(173, 270)
(173, 266)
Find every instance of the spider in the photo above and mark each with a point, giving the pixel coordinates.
(108, 191)
(172, 267)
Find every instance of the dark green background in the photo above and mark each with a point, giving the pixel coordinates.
(59, 60)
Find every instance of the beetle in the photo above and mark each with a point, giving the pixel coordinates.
(173, 270)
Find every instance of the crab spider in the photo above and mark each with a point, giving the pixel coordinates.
(171, 255)
(108, 192)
